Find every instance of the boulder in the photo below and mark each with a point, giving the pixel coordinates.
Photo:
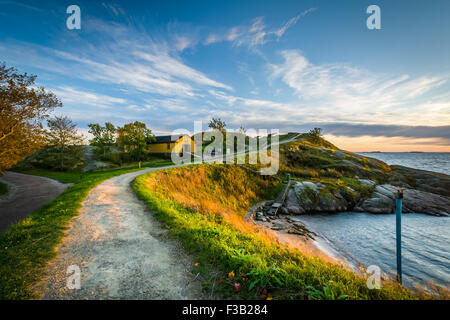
(292, 204)
(423, 180)
(296, 210)
(339, 154)
(382, 201)
(314, 198)
(367, 182)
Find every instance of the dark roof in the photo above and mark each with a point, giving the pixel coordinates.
(167, 139)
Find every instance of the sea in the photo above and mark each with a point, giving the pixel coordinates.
(369, 239)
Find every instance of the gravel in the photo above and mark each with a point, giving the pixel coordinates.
(121, 250)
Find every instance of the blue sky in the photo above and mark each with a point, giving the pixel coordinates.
(288, 65)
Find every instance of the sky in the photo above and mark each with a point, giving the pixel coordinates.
(287, 65)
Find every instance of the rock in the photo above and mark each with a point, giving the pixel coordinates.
(279, 225)
(426, 202)
(303, 185)
(382, 201)
(276, 205)
(313, 199)
(339, 154)
(292, 204)
(428, 181)
(367, 182)
(297, 232)
(284, 210)
(296, 210)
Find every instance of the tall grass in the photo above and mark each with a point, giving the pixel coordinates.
(203, 206)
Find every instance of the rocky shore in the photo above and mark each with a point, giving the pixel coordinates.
(308, 197)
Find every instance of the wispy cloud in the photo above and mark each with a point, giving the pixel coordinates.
(72, 95)
(255, 34)
(345, 93)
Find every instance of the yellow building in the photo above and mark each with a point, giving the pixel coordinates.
(172, 144)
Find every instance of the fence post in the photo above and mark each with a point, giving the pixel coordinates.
(398, 232)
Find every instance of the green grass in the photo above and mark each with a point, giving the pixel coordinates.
(26, 248)
(256, 262)
(3, 188)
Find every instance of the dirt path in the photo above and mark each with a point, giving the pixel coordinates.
(27, 194)
(121, 250)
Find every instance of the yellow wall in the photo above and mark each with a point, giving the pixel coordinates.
(175, 147)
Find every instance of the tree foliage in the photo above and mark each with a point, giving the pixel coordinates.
(217, 124)
(22, 110)
(64, 138)
(104, 136)
(316, 134)
(134, 137)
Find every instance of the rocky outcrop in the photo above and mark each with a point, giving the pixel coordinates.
(382, 201)
(428, 181)
(309, 197)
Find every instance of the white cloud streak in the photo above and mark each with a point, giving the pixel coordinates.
(256, 34)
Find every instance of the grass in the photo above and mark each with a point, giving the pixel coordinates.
(311, 158)
(203, 206)
(3, 188)
(26, 248)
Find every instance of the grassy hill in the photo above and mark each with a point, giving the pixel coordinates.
(204, 206)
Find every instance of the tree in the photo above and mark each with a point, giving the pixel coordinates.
(315, 134)
(217, 124)
(104, 137)
(135, 137)
(22, 110)
(121, 139)
(62, 135)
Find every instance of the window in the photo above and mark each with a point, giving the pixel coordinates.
(168, 146)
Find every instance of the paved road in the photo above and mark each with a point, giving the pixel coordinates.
(121, 250)
(27, 194)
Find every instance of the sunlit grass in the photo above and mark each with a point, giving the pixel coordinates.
(203, 206)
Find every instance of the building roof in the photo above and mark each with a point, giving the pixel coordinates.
(167, 139)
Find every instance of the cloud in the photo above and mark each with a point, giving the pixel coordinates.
(115, 9)
(345, 93)
(256, 34)
(182, 43)
(72, 95)
(119, 55)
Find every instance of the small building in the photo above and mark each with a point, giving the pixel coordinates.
(166, 145)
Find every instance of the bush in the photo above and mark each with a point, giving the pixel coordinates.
(121, 158)
(52, 158)
(3, 188)
(331, 173)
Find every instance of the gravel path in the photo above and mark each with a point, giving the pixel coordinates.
(27, 194)
(121, 250)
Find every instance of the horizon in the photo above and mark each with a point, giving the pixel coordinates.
(291, 66)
